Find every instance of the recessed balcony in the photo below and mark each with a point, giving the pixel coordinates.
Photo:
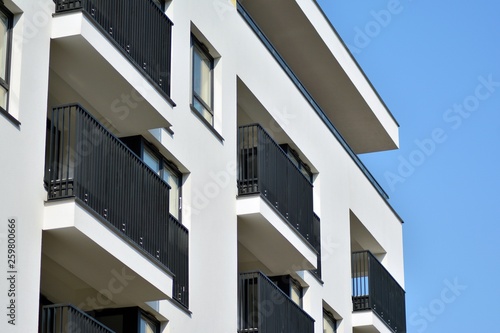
(137, 27)
(67, 318)
(94, 181)
(264, 308)
(309, 50)
(375, 290)
(275, 204)
(114, 57)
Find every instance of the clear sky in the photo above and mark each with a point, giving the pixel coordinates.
(436, 64)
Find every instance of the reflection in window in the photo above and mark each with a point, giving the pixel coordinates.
(161, 166)
(160, 4)
(147, 326)
(329, 323)
(296, 293)
(294, 157)
(151, 160)
(172, 176)
(202, 78)
(5, 36)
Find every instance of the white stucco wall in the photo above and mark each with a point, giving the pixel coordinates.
(209, 189)
(22, 151)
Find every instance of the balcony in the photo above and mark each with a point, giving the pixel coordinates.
(137, 27)
(67, 318)
(266, 173)
(264, 308)
(86, 163)
(308, 48)
(350, 123)
(373, 288)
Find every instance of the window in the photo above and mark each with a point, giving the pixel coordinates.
(329, 323)
(5, 47)
(163, 167)
(294, 157)
(296, 292)
(160, 4)
(169, 173)
(203, 65)
(173, 177)
(128, 320)
(147, 324)
(151, 160)
(290, 287)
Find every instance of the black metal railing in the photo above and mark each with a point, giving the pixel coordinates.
(263, 167)
(264, 308)
(64, 318)
(373, 288)
(317, 245)
(139, 28)
(178, 259)
(276, 55)
(86, 161)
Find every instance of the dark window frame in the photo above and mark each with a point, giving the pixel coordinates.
(303, 167)
(197, 45)
(286, 283)
(328, 315)
(164, 162)
(131, 318)
(5, 82)
(160, 4)
(295, 284)
(138, 144)
(150, 319)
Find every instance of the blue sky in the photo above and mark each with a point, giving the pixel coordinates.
(436, 64)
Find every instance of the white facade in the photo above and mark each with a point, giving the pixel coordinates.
(69, 253)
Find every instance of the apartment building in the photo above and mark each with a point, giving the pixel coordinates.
(191, 166)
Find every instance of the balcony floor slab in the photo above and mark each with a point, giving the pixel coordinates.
(270, 239)
(81, 254)
(368, 322)
(86, 66)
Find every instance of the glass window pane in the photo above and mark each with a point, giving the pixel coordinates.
(296, 294)
(202, 76)
(306, 172)
(204, 112)
(160, 4)
(173, 180)
(328, 325)
(151, 160)
(294, 160)
(4, 26)
(3, 98)
(147, 326)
